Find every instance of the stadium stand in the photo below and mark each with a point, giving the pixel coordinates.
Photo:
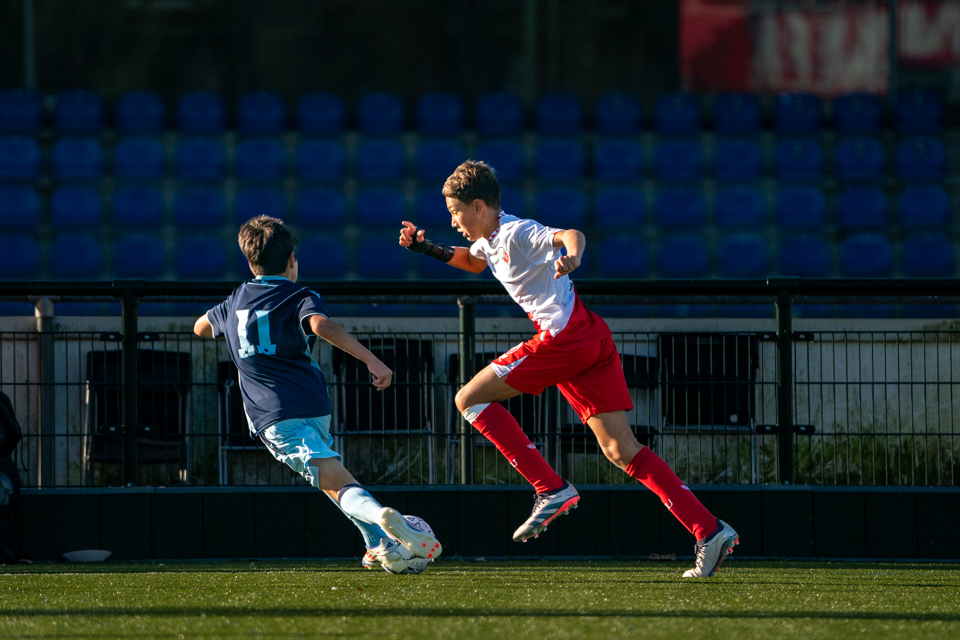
(321, 159)
(617, 114)
(797, 113)
(499, 113)
(200, 257)
(78, 112)
(559, 113)
(514, 201)
(380, 206)
(140, 112)
(321, 114)
(200, 207)
(678, 159)
(740, 206)
(798, 159)
(743, 255)
(431, 209)
(321, 257)
(561, 206)
(927, 255)
(138, 207)
(507, 156)
(76, 256)
(923, 206)
(679, 207)
(616, 159)
(919, 111)
(20, 158)
(866, 255)
(440, 113)
(622, 207)
(20, 207)
(77, 158)
(862, 208)
(859, 158)
(320, 207)
(259, 200)
(622, 256)
(438, 157)
(738, 159)
(20, 111)
(261, 159)
(677, 113)
(381, 159)
(858, 113)
(201, 159)
(200, 112)
(805, 256)
(137, 255)
(76, 206)
(736, 113)
(380, 113)
(261, 113)
(921, 158)
(23, 255)
(139, 157)
(801, 207)
(683, 256)
(390, 263)
(559, 159)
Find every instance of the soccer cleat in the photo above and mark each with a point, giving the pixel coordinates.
(546, 507)
(712, 550)
(370, 561)
(420, 543)
(390, 554)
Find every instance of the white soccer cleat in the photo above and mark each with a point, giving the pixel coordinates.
(389, 554)
(713, 550)
(546, 507)
(420, 543)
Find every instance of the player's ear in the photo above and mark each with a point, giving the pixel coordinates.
(292, 260)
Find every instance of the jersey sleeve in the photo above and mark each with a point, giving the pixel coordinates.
(477, 251)
(311, 305)
(217, 317)
(536, 241)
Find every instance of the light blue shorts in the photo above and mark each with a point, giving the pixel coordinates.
(297, 441)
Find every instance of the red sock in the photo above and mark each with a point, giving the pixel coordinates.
(499, 427)
(656, 475)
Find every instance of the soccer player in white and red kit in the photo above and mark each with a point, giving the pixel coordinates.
(573, 349)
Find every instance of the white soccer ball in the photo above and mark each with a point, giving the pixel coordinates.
(413, 564)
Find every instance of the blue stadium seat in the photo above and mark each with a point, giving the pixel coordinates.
(322, 257)
(320, 207)
(200, 258)
(736, 113)
(440, 114)
(801, 207)
(20, 111)
(618, 159)
(139, 157)
(676, 207)
(921, 158)
(392, 261)
(677, 113)
(617, 114)
(741, 206)
(20, 158)
(381, 206)
(559, 113)
(261, 200)
(200, 112)
(438, 157)
(559, 159)
(431, 210)
(140, 112)
(380, 113)
(805, 256)
(136, 255)
(322, 160)
(77, 158)
(620, 207)
(513, 201)
(507, 156)
(924, 206)
(862, 207)
(797, 113)
(678, 159)
(76, 256)
(19, 207)
(860, 158)
(866, 255)
(78, 112)
(858, 113)
(561, 207)
(738, 159)
(23, 255)
(743, 255)
(200, 207)
(622, 256)
(76, 206)
(927, 255)
(261, 159)
(381, 159)
(798, 159)
(261, 113)
(321, 113)
(201, 159)
(138, 206)
(682, 256)
(499, 113)
(919, 111)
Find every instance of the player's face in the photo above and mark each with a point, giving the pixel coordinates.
(465, 218)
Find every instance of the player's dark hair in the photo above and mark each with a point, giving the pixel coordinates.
(267, 243)
(474, 180)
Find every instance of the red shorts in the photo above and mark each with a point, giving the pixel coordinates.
(581, 360)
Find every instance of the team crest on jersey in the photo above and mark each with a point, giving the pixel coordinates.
(502, 256)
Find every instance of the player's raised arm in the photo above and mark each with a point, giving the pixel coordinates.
(574, 242)
(459, 257)
(338, 337)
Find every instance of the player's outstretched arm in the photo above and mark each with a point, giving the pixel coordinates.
(338, 337)
(459, 257)
(202, 327)
(574, 242)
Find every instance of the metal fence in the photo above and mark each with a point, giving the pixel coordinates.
(723, 402)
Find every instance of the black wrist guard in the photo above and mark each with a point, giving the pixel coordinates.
(435, 250)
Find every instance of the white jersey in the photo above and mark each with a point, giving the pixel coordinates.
(521, 255)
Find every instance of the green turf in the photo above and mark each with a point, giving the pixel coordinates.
(521, 600)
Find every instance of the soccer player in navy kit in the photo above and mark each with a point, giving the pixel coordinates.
(572, 349)
(269, 324)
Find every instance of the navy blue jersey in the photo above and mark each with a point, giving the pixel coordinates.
(263, 322)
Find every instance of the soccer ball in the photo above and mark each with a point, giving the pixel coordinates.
(413, 564)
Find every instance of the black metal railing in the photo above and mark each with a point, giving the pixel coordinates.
(143, 401)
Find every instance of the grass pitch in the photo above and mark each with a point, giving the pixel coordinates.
(543, 599)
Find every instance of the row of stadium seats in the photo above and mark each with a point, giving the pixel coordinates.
(680, 255)
(915, 207)
(855, 158)
(380, 113)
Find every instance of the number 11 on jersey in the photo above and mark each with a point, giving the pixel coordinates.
(263, 334)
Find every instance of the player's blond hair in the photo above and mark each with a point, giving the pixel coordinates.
(474, 180)
(267, 243)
